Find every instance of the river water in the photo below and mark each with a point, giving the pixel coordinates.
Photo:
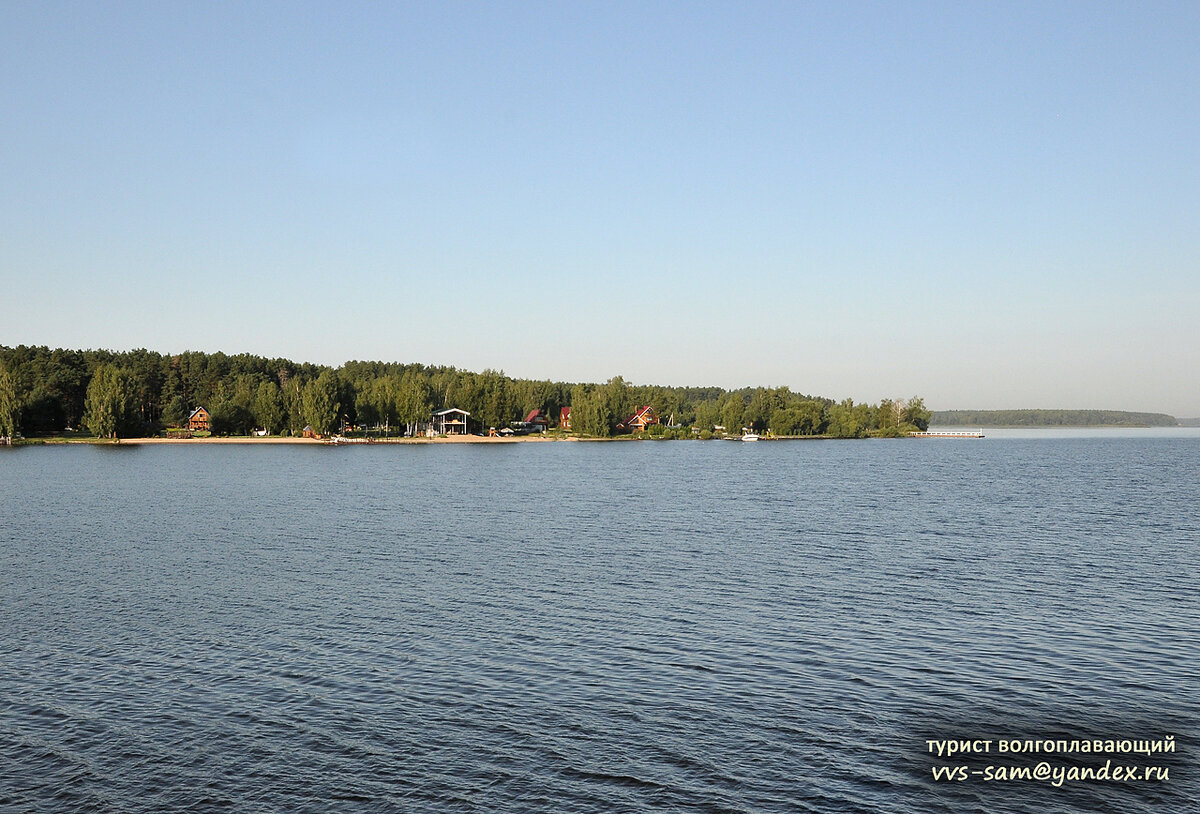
(576, 627)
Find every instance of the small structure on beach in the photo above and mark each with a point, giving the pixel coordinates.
(451, 421)
(537, 421)
(199, 420)
(642, 418)
(309, 432)
(564, 418)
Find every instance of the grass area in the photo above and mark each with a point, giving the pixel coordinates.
(66, 437)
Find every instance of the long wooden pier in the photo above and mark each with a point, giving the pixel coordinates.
(949, 434)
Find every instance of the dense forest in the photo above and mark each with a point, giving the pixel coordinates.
(1050, 418)
(140, 392)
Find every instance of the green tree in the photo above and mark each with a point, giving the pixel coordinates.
(591, 413)
(916, 414)
(618, 401)
(268, 407)
(146, 371)
(228, 417)
(763, 404)
(320, 402)
(365, 409)
(708, 415)
(813, 420)
(293, 403)
(414, 400)
(849, 420)
(175, 411)
(733, 411)
(668, 403)
(496, 405)
(10, 407)
(788, 421)
(109, 405)
(887, 418)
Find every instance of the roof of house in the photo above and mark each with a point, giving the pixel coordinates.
(641, 413)
(451, 410)
(534, 414)
(194, 412)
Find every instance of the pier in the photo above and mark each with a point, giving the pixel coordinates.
(949, 434)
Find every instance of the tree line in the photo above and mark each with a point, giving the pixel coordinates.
(141, 392)
(1050, 418)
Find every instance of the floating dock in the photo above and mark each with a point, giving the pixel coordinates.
(949, 434)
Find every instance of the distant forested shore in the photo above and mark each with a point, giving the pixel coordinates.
(136, 393)
(1050, 418)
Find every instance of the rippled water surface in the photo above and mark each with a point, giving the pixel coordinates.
(594, 627)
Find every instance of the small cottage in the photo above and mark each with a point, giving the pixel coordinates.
(642, 418)
(199, 421)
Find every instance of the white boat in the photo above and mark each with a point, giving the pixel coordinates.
(749, 436)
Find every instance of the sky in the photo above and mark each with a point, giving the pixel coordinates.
(990, 205)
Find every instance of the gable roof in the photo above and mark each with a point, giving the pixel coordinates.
(641, 415)
(195, 412)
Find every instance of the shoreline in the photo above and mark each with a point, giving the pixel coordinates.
(287, 439)
(358, 442)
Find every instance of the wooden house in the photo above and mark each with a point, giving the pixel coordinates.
(537, 421)
(564, 418)
(451, 421)
(199, 420)
(642, 418)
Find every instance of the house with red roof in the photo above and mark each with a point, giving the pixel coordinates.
(537, 421)
(642, 418)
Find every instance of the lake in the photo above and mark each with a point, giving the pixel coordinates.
(597, 627)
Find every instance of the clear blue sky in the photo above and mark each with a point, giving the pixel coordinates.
(988, 204)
